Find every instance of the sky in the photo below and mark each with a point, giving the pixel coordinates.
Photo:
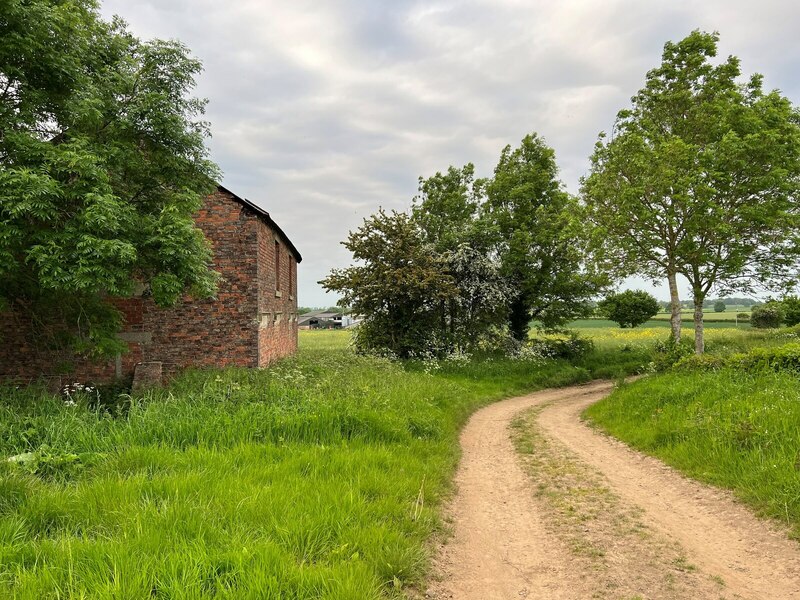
(322, 112)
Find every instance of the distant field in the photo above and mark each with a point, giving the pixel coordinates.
(728, 315)
(686, 322)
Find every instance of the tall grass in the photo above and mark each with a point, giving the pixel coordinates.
(318, 478)
(730, 428)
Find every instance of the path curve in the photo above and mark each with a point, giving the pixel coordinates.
(502, 549)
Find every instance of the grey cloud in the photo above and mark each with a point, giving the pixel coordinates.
(323, 111)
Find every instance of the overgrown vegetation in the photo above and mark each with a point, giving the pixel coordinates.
(319, 478)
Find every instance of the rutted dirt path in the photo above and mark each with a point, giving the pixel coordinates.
(571, 513)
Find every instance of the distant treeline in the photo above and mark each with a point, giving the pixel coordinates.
(688, 305)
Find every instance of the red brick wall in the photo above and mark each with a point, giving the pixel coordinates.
(23, 360)
(277, 301)
(246, 325)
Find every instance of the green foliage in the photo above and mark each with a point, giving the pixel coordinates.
(791, 310)
(537, 235)
(781, 358)
(729, 427)
(743, 316)
(466, 267)
(629, 308)
(719, 306)
(767, 316)
(103, 165)
(398, 287)
(447, 211)
(700, 177)
(569, 348)
(669, 353)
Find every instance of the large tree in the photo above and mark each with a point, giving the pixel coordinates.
(447, 210)
(531, 220)
(102, 165)
(700, 178)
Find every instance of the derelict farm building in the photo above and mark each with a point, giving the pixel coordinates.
(251, 322)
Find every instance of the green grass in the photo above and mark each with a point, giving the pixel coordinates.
(319, 478)
(730, 428)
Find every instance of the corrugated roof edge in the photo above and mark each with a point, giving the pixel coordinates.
(265, 215)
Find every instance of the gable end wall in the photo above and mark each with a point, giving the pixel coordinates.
(277, 333)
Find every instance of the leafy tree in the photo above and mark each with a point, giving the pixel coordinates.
(103, 165)
(767, 316)
(447, 210)
(447, 207)
(532, 223)
(719, 306)
(397, 286)
(791, 310)
(699, 179)
(629, 308)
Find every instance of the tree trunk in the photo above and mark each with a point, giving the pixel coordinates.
(519, 319)
(699, 342)
(675, 305)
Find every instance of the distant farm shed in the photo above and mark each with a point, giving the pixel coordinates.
(251, 322)
(323, 319)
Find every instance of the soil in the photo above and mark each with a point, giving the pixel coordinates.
(547, 507)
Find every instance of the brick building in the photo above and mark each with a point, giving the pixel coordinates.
(251, 322)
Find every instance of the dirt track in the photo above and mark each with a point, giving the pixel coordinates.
(579, 515)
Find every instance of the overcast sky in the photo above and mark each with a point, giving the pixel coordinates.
(323, 111)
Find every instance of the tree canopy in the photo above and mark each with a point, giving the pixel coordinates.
(629, 308)
(103, 165)
(479, 259)
(397, 286)
(534, 231)
(700, 178)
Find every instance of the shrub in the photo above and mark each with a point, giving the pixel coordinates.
(767, 316)
(791, 310)
(742, 316)
(719, 306)
(669, 352)
(782, 358)
(700, 362)
(567, 348)
(629, 308)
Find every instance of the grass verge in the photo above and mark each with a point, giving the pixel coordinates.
(319, 478)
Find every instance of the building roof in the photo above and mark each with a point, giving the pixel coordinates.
(318, 314)
(264, 215)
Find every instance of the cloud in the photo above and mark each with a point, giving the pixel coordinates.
(323, 111)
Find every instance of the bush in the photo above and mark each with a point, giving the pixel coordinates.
(742, 316)
(791, 310)
(700, 362)
(569, 348)
(767, 316)
(629, 308)
(719, 306)
(668, 353)
(782, 358)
